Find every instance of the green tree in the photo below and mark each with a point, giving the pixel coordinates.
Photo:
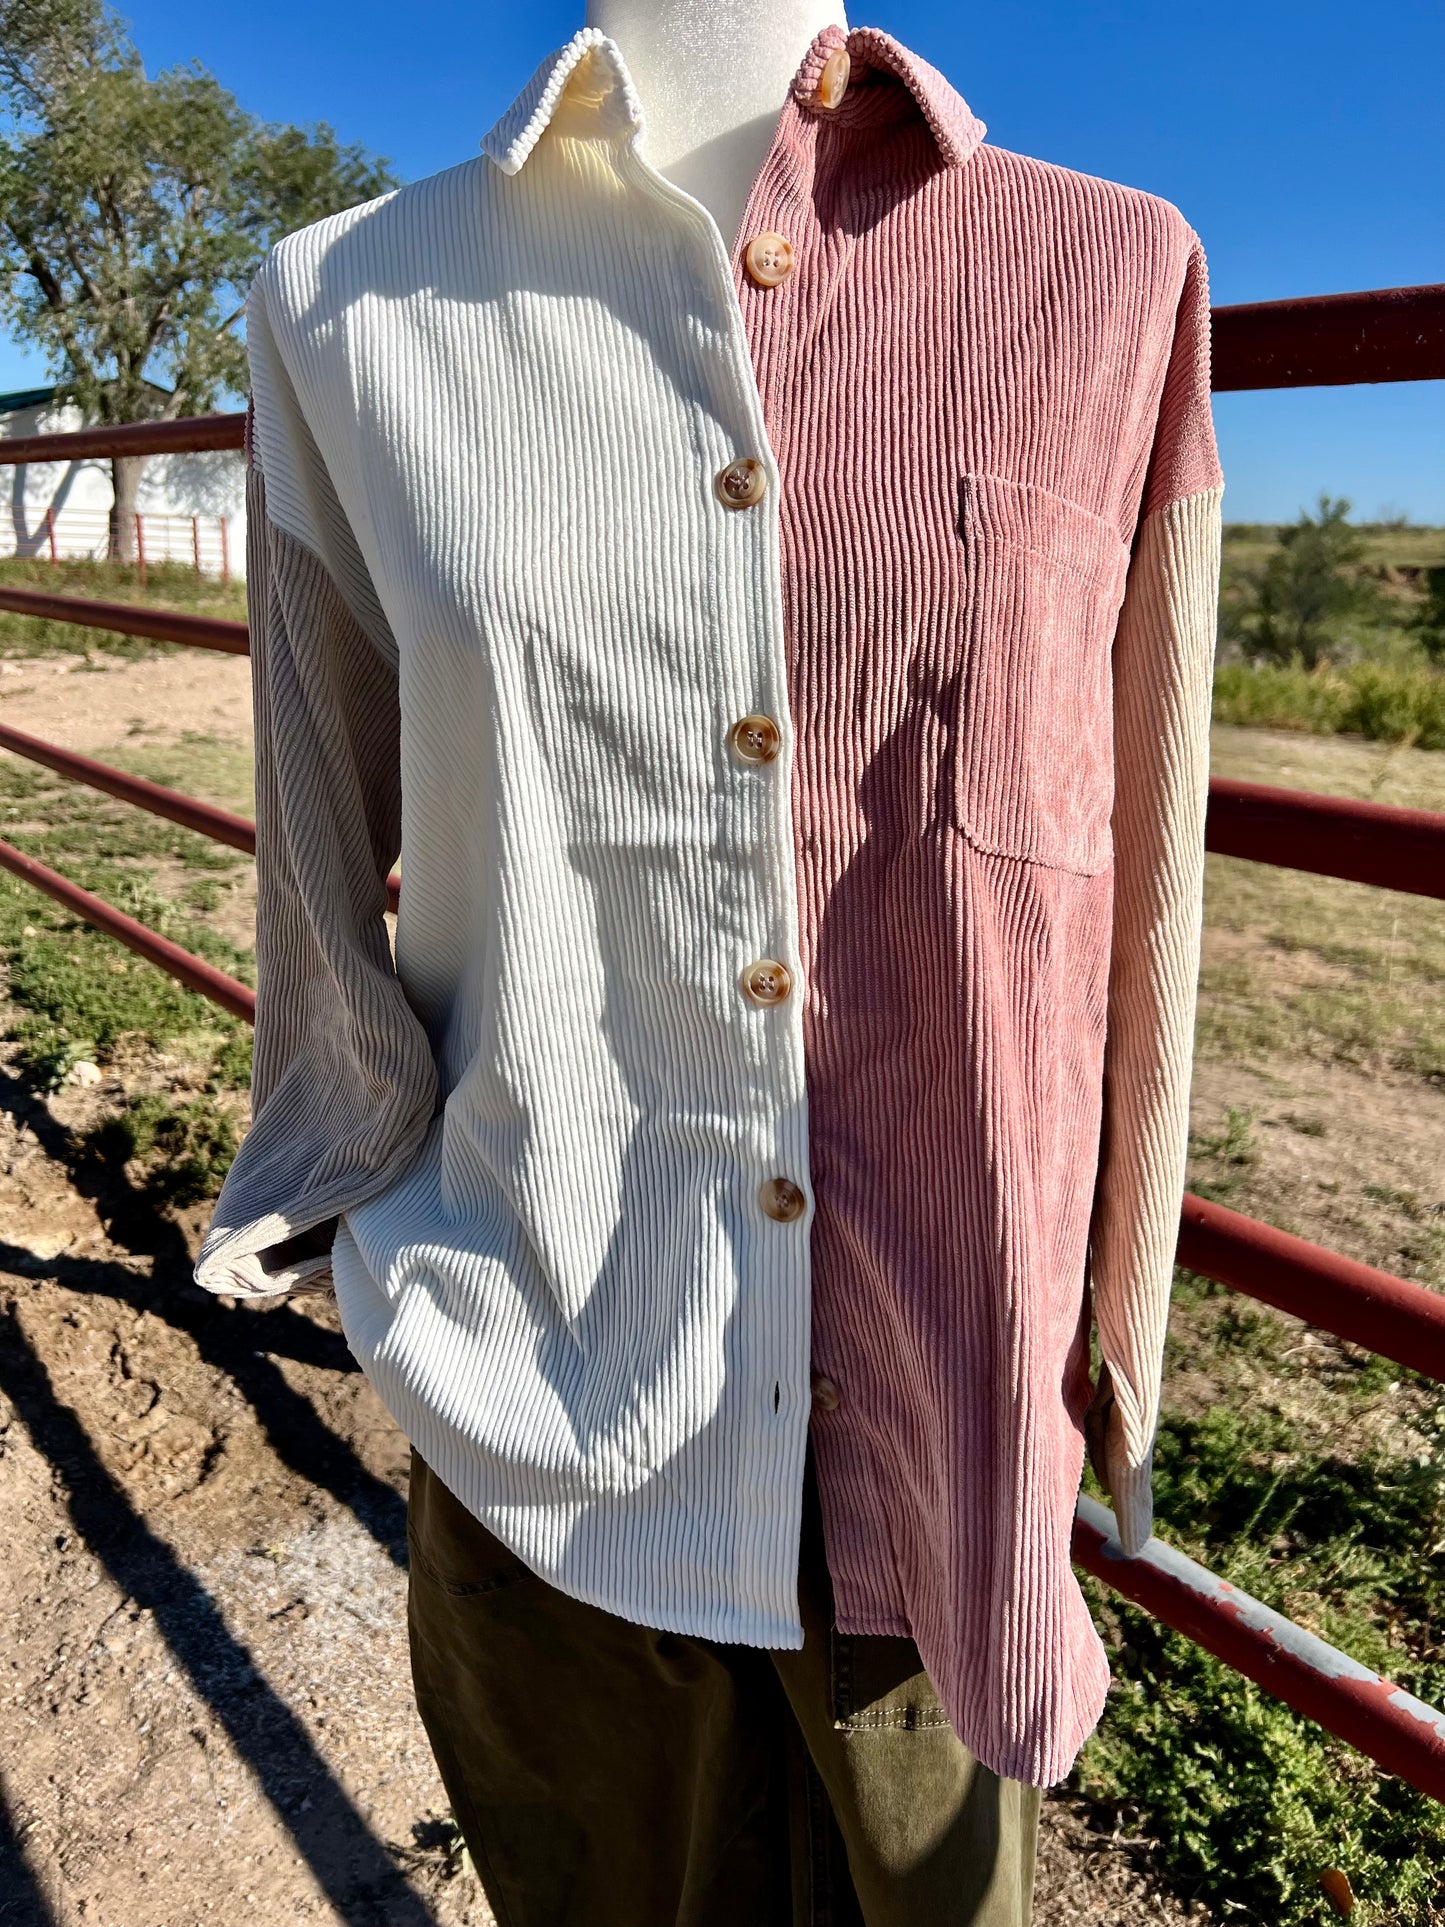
(133, 214)
(1296, 608)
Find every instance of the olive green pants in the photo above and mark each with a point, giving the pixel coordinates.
(607, 1775)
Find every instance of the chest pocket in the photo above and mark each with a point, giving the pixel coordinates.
(1033, 761)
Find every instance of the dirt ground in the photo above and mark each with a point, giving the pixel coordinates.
(207, 1711)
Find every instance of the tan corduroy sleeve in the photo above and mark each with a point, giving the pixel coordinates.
(1163, 672)
(343, 1082)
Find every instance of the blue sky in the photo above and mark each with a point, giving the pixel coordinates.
(1301, 140)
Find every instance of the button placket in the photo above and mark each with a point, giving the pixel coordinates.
(755, 740)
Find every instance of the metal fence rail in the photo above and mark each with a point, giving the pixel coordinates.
(1399, 1732)
(128, 619)
(1395, 334)
(1385, 1314)
(223, 826)
(229, 992)
(1331, 340)
(1332, 836)
(194, 436)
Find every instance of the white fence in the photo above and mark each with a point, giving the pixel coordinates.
(202, 542)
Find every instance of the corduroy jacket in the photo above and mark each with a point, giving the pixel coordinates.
(783, 672)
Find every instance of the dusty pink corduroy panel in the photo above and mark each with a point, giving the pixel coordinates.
(964, 463)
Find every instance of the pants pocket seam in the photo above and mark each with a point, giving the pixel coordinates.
(499, 1581)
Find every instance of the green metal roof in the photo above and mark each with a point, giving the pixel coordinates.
(25, 398)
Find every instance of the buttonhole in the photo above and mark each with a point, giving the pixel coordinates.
(962, 516)
(777, 1394)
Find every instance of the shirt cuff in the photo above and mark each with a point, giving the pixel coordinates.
(295, 1262)
(1131, 1489)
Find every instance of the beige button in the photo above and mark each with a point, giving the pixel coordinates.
(834, 78)
(826, 1395)
(755, 739)
(782, 1199)
(768, 258)
(742, 482)
(767, 981)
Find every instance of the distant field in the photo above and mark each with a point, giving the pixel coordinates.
(1410, 547)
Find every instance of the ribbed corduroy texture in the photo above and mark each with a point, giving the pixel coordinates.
(342, 1079)
(489, 411)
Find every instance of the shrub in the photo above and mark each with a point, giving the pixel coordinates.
(1430, 617)
(1375, 700)
(1295, 607)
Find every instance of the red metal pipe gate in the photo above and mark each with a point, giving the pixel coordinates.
(1389, 334)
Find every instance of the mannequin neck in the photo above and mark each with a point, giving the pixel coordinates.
(712, 76)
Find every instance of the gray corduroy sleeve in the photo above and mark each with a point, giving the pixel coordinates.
(344, 1082)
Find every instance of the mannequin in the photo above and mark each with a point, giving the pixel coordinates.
(712, 76)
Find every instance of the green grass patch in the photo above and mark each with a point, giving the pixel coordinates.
(1334, 765)
(211, 767)
(185, 1149)
(1251, 1802)
(1233, 1151)
(87, 828)
(80, 994)
(1312, 967)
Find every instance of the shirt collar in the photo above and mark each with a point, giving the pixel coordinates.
(955, 128)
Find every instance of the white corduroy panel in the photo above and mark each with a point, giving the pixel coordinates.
(572, 1301)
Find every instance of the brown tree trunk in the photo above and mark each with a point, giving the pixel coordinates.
(125, 474)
